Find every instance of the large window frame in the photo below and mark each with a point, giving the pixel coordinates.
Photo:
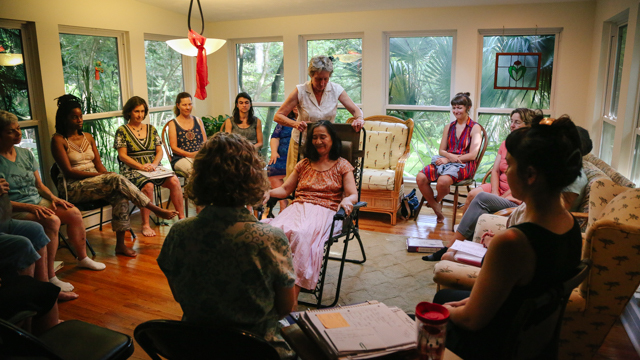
(34, 85)
(304, 60)
(613, 34)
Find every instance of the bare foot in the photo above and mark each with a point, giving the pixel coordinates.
(123, 250)
(148, 231)
(439, 215)
(165, 214)
(67, 296)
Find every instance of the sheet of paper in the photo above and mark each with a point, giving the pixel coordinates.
(159, 173)
(469, 247)
(352, 340)
(333, 320)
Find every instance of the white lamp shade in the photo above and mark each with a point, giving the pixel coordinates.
(10, 59)
(184, 46)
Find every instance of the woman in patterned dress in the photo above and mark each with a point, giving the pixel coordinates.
(83, 177)
(243, 121)
(460, 144)
(140, 148)
(186, 135)
(324, 183)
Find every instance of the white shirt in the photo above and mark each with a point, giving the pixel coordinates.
(308, 108)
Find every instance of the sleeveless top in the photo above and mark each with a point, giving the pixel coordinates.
(308, 108)
(460, 146)
(249, 133)
(81, 157)
(188, 140)
(557, 257)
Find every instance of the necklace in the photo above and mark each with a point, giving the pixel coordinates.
(138, 131)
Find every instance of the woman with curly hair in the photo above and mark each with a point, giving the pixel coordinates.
(83, 177)
(223, 266)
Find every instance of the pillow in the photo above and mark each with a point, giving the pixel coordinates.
(377, 150)
(398, 132)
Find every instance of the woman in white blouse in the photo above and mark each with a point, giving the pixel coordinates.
(317, 99)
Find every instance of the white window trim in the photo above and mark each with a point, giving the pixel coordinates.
(188, 71)
(434, 33)
(517, 32)
(304, 62)
(233, 61)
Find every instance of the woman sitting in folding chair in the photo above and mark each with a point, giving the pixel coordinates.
(83, 177)
(323, 182)
(460, 143)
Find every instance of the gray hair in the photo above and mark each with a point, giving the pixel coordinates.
(320, 63)
(6, 119)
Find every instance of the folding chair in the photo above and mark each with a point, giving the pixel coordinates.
(178, 340)
(167, 149)
(350, 231)
(467, 183)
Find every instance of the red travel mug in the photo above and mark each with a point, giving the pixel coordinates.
(431, 321)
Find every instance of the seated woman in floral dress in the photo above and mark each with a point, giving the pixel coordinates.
(323, 182)
(83, 177)
(140, 148)
(223, 266)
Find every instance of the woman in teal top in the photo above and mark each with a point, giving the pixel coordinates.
(32, 200)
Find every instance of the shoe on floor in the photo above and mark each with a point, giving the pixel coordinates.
(436, 256)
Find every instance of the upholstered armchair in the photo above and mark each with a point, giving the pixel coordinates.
(388, 145)
(612, 241)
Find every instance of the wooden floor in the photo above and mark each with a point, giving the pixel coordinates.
(134, 290)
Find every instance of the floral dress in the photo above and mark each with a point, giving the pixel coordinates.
(141, 150)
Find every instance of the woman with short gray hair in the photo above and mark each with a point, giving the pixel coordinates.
(316, 100)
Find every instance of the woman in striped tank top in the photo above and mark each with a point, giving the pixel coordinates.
(460, 143)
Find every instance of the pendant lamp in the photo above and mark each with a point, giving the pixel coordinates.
(197, 45)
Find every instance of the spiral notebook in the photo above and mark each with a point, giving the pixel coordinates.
(359, 331)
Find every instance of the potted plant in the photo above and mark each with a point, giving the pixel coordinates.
(213, 124)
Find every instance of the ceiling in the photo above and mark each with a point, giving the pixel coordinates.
(227, 10)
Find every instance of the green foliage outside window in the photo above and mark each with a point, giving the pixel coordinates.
(104, 131)
(14, 93)
(82, 57)
(164, 73)
(347, 64)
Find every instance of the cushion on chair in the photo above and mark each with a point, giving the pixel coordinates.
(377, 151)
(455, 275)
(488, 222)
(74, 339)
(399, 134)
(374, 179)
(602, 189)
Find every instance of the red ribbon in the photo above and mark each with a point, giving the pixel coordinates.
(202, 70)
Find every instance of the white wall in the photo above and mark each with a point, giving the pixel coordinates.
(573, 60)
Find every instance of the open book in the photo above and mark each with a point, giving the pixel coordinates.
(469, 252)
(159, 173)
(360, 331)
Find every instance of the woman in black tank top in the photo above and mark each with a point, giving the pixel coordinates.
(529, 258)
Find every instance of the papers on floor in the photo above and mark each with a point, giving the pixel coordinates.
(159, 173)
(469, 252)
(423, 245)
(360, 331)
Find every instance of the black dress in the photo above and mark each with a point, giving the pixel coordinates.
(557, 257)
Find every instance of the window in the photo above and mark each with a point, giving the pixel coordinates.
(419, 87)
(94, 69)
(496, 105)
(20, 89)
(617, 40)
(347, 64)
(165, 80)
(260, 73)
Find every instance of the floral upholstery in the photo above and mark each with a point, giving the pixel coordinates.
(398, 139)
(378, 149)
(612, 241)
(374, 179)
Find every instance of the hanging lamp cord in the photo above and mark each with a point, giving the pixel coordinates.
(201, 16)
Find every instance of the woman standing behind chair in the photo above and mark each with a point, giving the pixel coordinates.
(186, 135)
(460, 143)
(529, 258)
(243, 122)
(277, 169)
(316, 100)
(83, 177)
(140, 148)
(223, 266)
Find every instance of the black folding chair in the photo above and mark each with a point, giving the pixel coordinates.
(181, 340)
(70, 340)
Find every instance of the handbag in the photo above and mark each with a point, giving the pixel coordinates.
(409, 205)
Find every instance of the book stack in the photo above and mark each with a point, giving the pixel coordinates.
(359, 331)
(423, 245)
